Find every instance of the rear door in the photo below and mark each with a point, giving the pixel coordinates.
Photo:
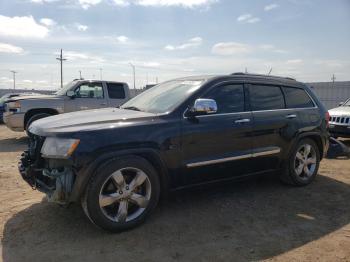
(89, 95)
(117, 94)
(218, 146)
(274, 125)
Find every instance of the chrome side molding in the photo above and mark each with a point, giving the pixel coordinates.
(234, 158)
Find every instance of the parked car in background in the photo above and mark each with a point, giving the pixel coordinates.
(118, 162)
(78, 95)
(8, 96)
(340, 120)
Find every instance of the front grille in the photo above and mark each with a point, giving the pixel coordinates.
(345, 120)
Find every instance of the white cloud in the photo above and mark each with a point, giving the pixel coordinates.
(43, 1)
(72, 55)
(121, 2)
(191, 43)
(81, 27)
(267, 47)
(182, 3)
(230, 48)
(122, 39)
(47, 22)
(22, 26)
(86, 4)
(248, 18)
(270, 7)
(7, 48)
(27, 81)
(294, 61)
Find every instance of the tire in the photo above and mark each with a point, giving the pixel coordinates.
(34, 118)
(107, 195)
(301, 170)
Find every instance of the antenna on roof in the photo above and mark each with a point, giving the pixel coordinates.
(270, 72)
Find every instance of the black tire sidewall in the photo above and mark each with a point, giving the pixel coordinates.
(97, 181)
(295, 178)
(34, 118)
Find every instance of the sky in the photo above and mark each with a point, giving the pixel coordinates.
(165, 39)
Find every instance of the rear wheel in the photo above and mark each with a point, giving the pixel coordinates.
(122, 194)
(303, 164)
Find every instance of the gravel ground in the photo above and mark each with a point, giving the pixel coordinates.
(253, 220)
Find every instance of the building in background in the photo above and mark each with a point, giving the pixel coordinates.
(331, 93)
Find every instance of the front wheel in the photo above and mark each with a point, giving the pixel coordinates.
(122, 194)
(303, 164)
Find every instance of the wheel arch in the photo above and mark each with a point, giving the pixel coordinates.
(317, 138)
(151, 155)
(36, 111)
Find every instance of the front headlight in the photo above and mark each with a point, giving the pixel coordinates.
(59, 147)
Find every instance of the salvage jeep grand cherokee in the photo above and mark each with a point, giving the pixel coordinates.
(118, 161)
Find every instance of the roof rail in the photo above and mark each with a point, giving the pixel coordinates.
(247, 74)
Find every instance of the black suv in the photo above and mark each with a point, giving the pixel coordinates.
(119, 161)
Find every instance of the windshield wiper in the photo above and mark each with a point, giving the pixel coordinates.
(132, 108)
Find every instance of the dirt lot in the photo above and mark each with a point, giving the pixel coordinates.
(253, 220)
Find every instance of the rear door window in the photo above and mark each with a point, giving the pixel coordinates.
(116, 91)
(297, 98)
(266, 97)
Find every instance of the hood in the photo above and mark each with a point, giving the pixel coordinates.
(33, 97)
(340, 111)
(88, 120)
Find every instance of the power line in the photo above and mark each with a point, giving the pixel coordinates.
(61, 59)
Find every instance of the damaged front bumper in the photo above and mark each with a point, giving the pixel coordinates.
(55, 178)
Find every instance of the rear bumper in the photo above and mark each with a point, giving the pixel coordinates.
(14, 121)
(339, 130)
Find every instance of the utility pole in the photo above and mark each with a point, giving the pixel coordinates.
(133, 70)
(61, 59)
(333, 79)
(80, 75)
(100, 73)
(14, 78)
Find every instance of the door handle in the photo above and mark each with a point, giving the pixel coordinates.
(240, 121)
(291, 116)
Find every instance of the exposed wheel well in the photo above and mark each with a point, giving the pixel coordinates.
(33, 112)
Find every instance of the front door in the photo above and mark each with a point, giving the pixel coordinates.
(218, 146)
(89, 95)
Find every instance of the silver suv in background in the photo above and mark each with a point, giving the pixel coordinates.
(340, 120)
(78, 95)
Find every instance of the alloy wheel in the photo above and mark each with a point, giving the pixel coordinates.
(125, 195)
(305, 161)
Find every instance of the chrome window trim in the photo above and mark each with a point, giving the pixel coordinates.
(255, 111)
(227, 159)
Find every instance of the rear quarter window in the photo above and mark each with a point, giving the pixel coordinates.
(297, 98)
(116, 91)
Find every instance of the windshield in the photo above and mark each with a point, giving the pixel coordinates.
(347, 103)
(67, 87)
(164, 97)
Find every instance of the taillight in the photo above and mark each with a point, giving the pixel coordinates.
(327, 118)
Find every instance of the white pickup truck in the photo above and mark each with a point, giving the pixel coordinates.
(78, 95)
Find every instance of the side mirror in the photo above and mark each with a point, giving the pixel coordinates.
(71, 94)
(204, 106)
(341, 103)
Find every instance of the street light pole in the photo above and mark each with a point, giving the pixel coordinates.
(14, 78)
(61, 59)
(133, 70)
